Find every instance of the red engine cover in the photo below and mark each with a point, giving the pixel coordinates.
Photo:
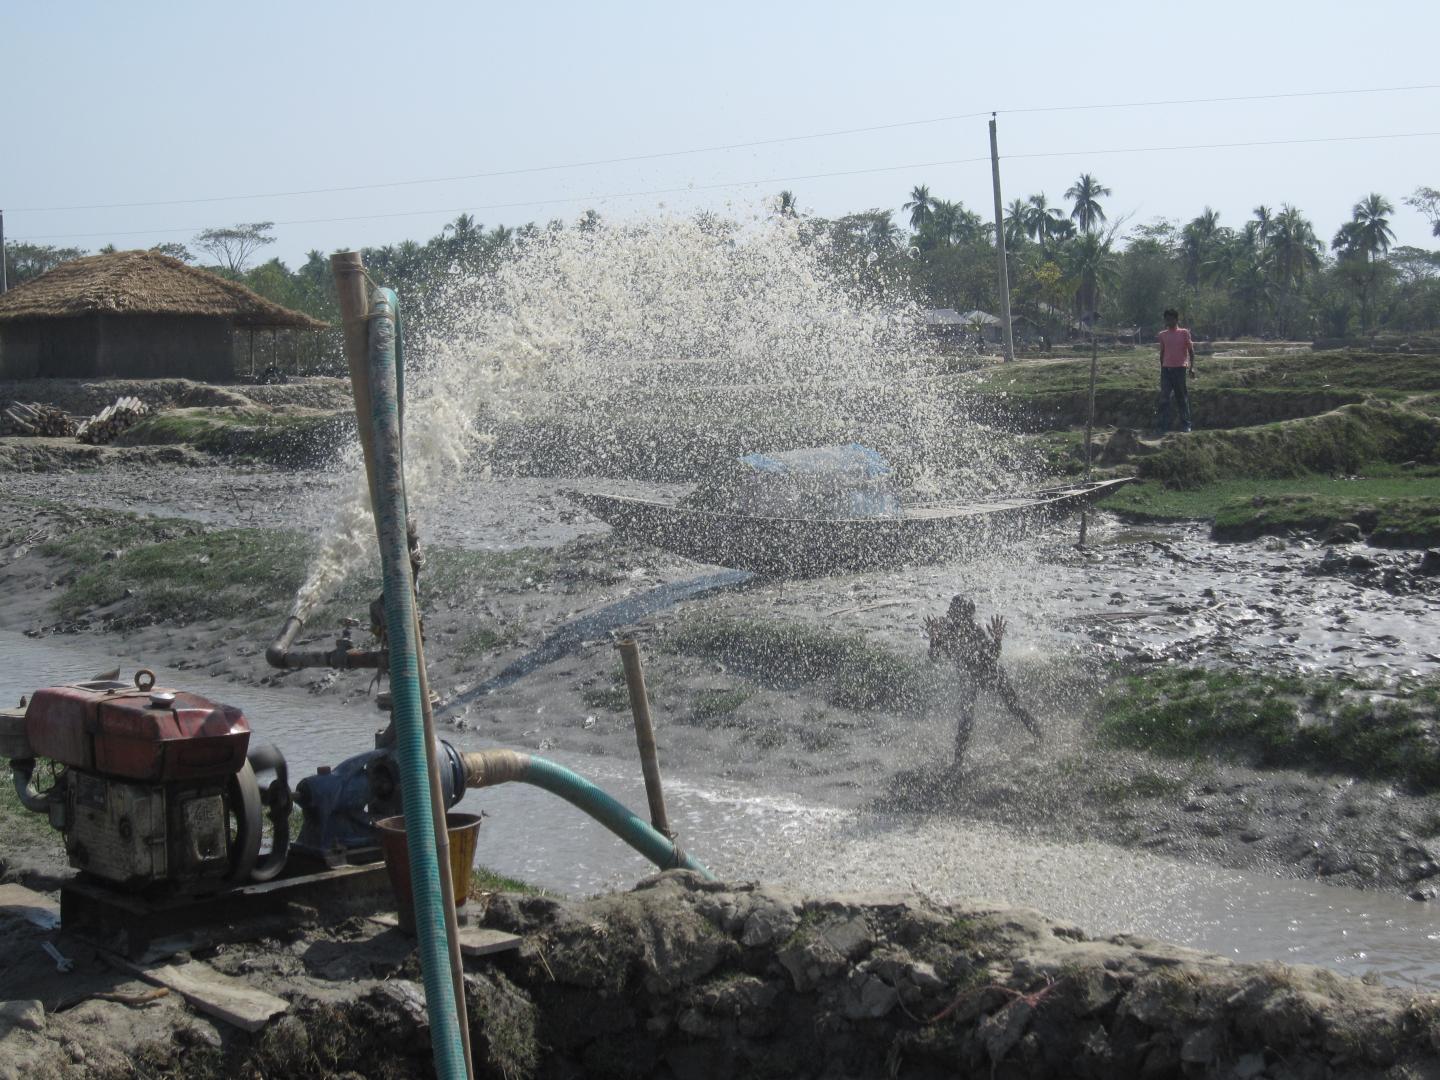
(114, 729)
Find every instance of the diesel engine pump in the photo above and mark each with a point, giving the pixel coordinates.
(153, 789)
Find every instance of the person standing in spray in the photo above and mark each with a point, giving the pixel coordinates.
(975, 652)
(1177, 360)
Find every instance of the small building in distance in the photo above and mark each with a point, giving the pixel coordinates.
(132, 314)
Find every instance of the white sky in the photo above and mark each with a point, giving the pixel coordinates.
(140, 102)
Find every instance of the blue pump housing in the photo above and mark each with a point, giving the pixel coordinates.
(342, 803)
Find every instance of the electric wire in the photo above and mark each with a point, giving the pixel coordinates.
(601, 198)
(752, 144)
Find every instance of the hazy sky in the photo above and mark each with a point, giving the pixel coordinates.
(149, 102)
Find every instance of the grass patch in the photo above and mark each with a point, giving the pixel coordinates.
(180, 571)
(1379, 374)
(1141, 784)
(484, 638)
(22, 830)
(713, 705)
(1389, 522)
(1343, 442)
(454, 575)
(614, 699)
(280, 437)
(1276, 722)
(177, 570)
(1397, 508)
(1148, 500)
(856, 673)
(483, 879)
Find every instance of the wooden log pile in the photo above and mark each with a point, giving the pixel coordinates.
(32, 418)
(111, 420)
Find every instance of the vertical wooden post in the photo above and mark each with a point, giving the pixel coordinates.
(1090, 420)
(644, 735)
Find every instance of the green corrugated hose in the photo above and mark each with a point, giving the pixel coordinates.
(487, 768)
(390, 520)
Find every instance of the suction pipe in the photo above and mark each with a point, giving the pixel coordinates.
(486, 768)
(374, 382)
(386, 323)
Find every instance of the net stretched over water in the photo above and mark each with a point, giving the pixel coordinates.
(665, 349)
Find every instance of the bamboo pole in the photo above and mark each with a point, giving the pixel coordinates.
(644, 735)
(1089, 422)
(350, 287)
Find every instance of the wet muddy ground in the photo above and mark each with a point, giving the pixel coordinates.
(1134, 599)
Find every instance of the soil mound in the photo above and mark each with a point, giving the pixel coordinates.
(690, 980)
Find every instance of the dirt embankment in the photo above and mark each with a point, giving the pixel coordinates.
(689, 980)
(88, 396)
(296, 423)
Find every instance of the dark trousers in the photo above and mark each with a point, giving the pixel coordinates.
(1172, 381)
(969, 690)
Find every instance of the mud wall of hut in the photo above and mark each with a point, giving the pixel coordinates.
(123, 346)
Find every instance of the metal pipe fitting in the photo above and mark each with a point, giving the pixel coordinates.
(342, 656)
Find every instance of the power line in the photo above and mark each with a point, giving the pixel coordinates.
(603, 197)
(630, 159)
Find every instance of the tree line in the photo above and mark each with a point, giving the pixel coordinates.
(1069, 263)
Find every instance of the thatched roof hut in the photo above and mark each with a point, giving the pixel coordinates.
(132, 313)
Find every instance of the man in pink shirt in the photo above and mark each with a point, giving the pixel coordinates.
(1177, 358)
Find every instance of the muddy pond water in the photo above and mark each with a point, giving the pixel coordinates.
(746, 832)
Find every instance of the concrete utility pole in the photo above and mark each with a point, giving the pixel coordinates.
(3, 285)
(1000, 248)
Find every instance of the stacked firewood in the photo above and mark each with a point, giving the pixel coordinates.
(111, 420)
(32, 418)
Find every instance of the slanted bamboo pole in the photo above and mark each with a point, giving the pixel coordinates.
(350, 287)
(644, 735)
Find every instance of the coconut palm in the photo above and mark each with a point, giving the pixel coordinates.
(1263, 223)
(1199, 245)
(1294, 254)
(1089, 261)
(1017, 223)
(1359, 243)
(1374, 234)
(921, 206)
(1042, 221)
(1086, 194)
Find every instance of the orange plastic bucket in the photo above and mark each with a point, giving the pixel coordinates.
(464, 832)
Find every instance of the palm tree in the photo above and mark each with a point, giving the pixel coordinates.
(1017, 223)
(1369, 215)
(1263, 223)
(1199, 241)
(1294, 254)
(1360, 242)
(1089, 261)
(1086, 194)
(1042, 220)
(921, 206)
